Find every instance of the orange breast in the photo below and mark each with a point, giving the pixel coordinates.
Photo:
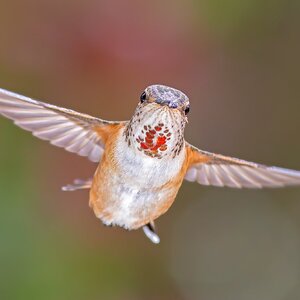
(100, 190)
(110, 184)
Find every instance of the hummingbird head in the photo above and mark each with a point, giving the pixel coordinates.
(166, 96)
(158, 123)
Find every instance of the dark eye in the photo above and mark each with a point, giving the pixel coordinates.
(143, 97)
(187, 110)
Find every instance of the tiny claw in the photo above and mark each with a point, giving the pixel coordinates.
(68, 188)
(77, 185)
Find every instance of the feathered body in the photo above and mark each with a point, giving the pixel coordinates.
(139, 177)
(142, 162)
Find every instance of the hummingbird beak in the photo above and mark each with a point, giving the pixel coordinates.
(172, 104)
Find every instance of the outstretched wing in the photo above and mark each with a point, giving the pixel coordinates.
(76, 132)
(213, 169)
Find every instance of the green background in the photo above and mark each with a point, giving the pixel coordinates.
(238, 61)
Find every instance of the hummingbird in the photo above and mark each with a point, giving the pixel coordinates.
(141, 162)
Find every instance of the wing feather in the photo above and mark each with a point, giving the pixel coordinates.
(218, 170)
(63, 127)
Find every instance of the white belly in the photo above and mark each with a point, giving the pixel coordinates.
(137, 188)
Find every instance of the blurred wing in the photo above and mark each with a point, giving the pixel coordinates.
(63, 127)
(213, 169)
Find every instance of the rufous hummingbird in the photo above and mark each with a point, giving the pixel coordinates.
(143, 161)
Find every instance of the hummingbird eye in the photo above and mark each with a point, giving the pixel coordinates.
(143, 97)
(187, 110)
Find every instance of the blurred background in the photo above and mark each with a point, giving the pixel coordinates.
(239, 63)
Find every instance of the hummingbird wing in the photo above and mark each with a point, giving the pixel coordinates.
(214, 169)
(76, 132)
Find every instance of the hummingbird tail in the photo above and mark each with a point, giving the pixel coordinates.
(149, 230)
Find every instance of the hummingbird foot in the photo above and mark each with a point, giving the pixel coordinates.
(78, 184)
(150, 233)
